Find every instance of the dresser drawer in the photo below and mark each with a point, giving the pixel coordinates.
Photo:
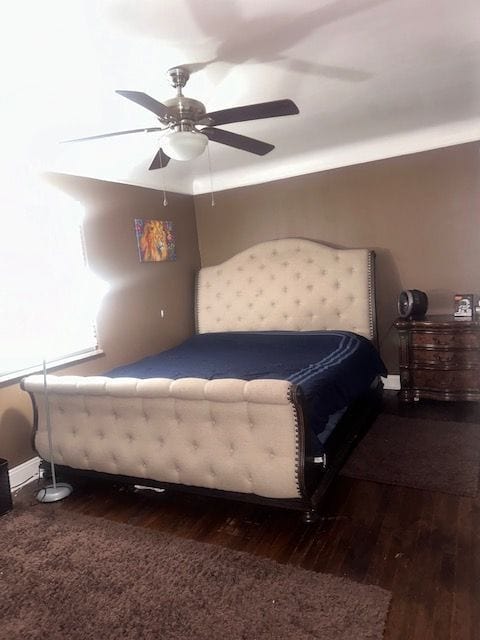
(466, 380)
(453, 359)
(451, 340)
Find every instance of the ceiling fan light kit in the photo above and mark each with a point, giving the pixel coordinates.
(181, 118)
(184, 145)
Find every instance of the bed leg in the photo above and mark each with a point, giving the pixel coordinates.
(309, 516)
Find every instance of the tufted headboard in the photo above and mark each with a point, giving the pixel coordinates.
(290, 284)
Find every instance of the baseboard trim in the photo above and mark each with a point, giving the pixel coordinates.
(24, 473)
(392, 382)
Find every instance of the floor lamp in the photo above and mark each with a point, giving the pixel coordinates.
(57, 490)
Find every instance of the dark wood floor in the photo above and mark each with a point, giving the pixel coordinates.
(424, 547)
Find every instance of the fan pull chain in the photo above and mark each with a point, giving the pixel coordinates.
(165, 201)
(210, 172)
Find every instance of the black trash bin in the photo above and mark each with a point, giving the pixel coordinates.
(5, 494)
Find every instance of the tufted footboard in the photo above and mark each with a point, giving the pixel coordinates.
(228, 434)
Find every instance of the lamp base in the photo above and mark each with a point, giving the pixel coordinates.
(54, 494)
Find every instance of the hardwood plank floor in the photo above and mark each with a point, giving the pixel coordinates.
(422, 546)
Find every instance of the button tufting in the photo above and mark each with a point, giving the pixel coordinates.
(310, 287)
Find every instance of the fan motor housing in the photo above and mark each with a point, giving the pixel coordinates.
(183, 108)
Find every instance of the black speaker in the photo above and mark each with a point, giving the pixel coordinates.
(5, 493)
(412, 303)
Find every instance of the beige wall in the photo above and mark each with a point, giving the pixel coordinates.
(129, 323)
(420, 213)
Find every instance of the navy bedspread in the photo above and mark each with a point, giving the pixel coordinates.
(333, 368)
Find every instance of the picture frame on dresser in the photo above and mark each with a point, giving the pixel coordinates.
(463, 305)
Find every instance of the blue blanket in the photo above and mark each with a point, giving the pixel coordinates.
(333, 368)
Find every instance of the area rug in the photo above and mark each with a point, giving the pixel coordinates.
(72, 576)
(422, 454)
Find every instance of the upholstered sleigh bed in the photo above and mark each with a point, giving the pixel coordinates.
(247, 438)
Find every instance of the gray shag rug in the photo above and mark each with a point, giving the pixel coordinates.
(64, 575)
(434, 455)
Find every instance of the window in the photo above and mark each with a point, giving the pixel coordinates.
(48, 296)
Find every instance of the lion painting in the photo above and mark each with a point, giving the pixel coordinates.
(155, 240)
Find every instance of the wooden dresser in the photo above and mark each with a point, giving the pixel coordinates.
(439, 358)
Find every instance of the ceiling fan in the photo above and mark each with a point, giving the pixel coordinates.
(189, 127)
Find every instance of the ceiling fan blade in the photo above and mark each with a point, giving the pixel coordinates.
(160, 161)
(117, 133)
(253, 112)
(239, 142)
(146, 101)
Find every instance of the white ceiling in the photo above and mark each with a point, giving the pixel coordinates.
(372, 79)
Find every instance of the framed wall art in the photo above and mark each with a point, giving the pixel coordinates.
(155, 240)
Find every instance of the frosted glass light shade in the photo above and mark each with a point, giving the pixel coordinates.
(184, 145)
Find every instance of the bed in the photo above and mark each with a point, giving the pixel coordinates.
(262, 404)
